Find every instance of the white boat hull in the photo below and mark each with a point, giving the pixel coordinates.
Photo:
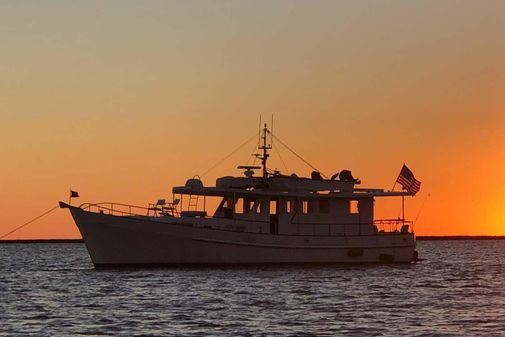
(124, 240)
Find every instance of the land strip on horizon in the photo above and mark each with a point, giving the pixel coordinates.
(419, 238)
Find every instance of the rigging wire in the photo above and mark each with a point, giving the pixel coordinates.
(282, 160)
(271, 132)
(228, 156)
(253, 155)
(297, 155)
(421, 209)
(259, 143)
(29, 222)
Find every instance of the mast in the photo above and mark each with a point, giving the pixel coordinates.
(265, 147)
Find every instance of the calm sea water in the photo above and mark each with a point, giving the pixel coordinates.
(53, 290)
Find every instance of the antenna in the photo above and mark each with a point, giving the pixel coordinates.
(259, 131)
(271, 132)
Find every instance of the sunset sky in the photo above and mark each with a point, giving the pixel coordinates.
(121, 100)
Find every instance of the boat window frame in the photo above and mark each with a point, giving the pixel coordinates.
(288, 205)
(248, 204)
(354, 206)
(257, 207)
(307, 206)
(276, 203)
(239, 207)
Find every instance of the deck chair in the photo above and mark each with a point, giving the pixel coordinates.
(170, 208)
(157, 207)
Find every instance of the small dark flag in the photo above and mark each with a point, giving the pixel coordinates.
(74, 194)
(407, 180)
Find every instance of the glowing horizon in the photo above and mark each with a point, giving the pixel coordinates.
(123, 101)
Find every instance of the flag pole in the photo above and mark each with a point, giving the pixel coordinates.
(73, 194)
(403, 210)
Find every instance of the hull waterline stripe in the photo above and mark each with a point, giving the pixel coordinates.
(297, 246)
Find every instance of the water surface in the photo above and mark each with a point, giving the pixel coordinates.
(53, 290)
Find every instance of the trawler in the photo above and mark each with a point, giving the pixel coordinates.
(268, 218)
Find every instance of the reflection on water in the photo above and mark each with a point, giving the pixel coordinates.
(53, 290)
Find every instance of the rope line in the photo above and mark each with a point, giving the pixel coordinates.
(422, 207)
(252, 156)
(254, 153)
(29, 222)
(297, 155)
(228, 156)
(282, 160)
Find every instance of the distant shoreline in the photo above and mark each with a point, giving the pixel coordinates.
(419, 238)
(460, 237)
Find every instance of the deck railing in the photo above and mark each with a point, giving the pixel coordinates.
(392, 225)
(380, 226)
(112, 208)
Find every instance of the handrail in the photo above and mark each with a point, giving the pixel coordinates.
(89, 204)
(377, 221)
(392, 224)
(113, 208)
(397, 220)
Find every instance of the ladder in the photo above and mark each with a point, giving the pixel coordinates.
(193, 203)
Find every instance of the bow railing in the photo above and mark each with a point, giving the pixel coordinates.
(118, 209)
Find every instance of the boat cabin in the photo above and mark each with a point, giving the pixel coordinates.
(285, 205)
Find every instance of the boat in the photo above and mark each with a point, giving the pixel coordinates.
(269, 218)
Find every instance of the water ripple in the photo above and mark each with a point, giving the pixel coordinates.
(53, 290)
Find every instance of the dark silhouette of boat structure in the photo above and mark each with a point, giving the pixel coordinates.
(266, 219)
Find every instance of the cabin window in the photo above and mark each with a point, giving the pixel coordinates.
(248, 205)
(307, 206)
(273, 207)
(258, 206)
(324, 206)
(353, 206)
(289, 206)
(239, 206)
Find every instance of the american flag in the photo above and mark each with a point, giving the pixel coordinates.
(407, 180)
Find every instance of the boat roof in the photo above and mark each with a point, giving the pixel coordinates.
(224, 192)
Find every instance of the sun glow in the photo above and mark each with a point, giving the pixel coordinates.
(124, 111)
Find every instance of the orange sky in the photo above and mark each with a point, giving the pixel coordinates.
(123, 100)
